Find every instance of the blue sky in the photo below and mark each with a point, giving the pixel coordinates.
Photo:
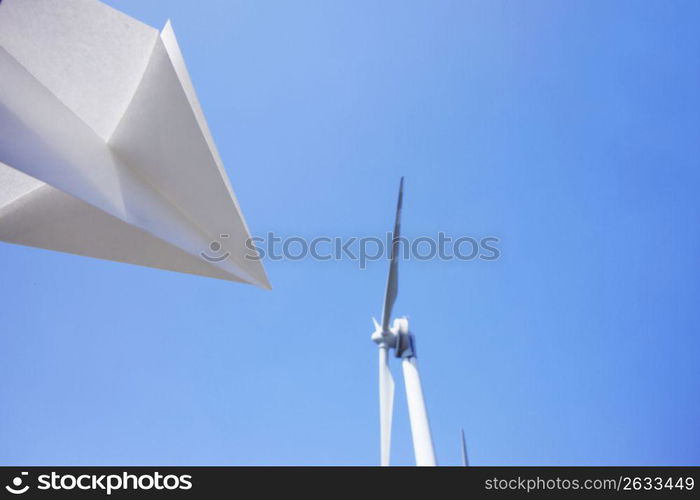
(567, 129)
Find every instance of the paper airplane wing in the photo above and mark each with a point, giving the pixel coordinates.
(104, 149)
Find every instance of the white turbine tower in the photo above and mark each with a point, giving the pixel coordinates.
(401, 340)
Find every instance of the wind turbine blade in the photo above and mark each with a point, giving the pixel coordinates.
(465, 457)
(386, 404)
(392, 284)
(418, 414)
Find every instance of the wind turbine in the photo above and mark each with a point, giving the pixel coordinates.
(402, 341)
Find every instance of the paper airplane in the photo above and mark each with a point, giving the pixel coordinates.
(104, 149)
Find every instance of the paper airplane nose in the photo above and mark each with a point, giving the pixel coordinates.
(104, 148)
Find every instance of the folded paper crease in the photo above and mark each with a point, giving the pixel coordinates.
(129, 173)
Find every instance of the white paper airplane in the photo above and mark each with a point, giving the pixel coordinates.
(104, 149)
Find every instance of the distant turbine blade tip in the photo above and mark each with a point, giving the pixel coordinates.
(465, 457)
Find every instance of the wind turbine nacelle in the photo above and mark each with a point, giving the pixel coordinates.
(405, 341)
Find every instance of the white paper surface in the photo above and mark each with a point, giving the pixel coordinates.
(129, 173)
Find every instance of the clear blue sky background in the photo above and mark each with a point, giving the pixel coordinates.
(568, 129)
